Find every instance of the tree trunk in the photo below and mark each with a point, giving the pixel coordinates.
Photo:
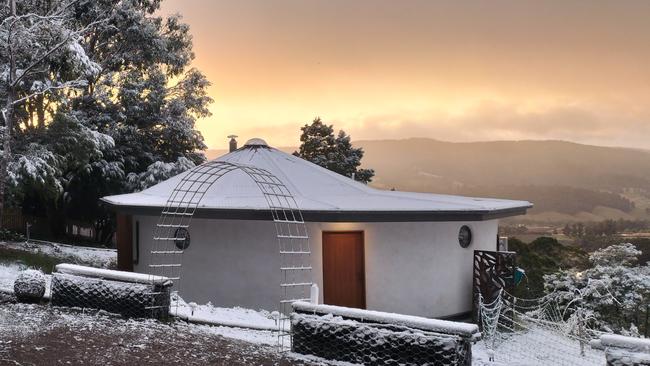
(40, 111)
(8, 113)
(6, 156)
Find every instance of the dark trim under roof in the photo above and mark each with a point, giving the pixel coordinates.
(340, 216)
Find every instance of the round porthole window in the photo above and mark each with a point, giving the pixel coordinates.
(464, 236)
(182, 236)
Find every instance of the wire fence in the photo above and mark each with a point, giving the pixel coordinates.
(536, 332)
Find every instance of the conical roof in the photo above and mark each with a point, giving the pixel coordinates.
(322, 195)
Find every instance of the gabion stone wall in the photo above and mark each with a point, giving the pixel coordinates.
(126, 298)
(624, 351)
(334, 338)
(618, 357)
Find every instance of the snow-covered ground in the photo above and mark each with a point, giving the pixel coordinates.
(8, 274)
(231, 317)
(536, 347)
(105, 258)
(256, 327)
(39, 335)
(95, 257)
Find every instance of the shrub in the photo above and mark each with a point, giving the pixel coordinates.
(8, 235)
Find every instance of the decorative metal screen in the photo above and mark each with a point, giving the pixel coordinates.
(493, 271)
(291, 231)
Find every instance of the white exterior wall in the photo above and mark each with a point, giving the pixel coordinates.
(415, 268)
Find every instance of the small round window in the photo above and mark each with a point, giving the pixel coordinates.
(464, 236)
(182, 237)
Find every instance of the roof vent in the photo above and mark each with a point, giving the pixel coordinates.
(233, 142)
(256, 142)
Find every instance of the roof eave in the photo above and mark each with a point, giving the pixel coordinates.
(338, 216)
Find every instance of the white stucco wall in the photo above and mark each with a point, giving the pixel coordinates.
(415, 268)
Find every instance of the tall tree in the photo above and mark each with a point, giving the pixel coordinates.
(41, 56)
(114, 100)
(336, 153)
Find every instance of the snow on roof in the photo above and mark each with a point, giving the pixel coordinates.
(256, 141)
(314, 188)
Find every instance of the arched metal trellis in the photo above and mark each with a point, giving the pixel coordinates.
(291, 231)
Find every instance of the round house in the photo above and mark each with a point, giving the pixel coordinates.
(392, 251)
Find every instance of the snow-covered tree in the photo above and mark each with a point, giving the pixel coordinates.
(613, 291)
(105, 88)
(158, 172)
(336, 153)
(40, 58)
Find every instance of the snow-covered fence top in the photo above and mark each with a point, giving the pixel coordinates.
(110, 274)
(619, 341)
(434, 325)
(621, 350)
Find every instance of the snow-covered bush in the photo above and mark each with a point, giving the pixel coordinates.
(614, 293)
(9, 235)
(37, 169)
(158, 172)
(30, 286)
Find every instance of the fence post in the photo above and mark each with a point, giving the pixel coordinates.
(581, 332)
(645, 330)
(313, 294)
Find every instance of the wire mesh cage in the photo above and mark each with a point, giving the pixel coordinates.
(374, 343)
(125, 298)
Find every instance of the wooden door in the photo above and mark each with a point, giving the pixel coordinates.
(344, 276)
(124, 242)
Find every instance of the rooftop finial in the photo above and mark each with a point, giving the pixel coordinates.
(256, 142)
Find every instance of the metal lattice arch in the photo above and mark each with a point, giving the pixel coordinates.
(291, 231)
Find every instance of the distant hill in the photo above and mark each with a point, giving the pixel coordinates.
(563, 179)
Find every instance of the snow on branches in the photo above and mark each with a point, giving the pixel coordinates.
(158, 172)
(614, 291)
(36, 168)
(106, 90)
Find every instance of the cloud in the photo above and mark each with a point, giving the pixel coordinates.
(495, 121)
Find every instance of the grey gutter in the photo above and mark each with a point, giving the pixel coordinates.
(338, 216)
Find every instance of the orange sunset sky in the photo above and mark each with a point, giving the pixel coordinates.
(450, 70)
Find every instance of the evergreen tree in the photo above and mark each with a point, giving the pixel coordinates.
(110, 96)
(321, 147)
(41, 60)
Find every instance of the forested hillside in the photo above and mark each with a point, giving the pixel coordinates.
(564, 180)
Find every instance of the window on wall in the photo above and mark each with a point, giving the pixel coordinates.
(465, 236)
(182, 236)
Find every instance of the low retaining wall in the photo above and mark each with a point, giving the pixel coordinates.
(624, 351)
(113, 291)
(377, 338)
